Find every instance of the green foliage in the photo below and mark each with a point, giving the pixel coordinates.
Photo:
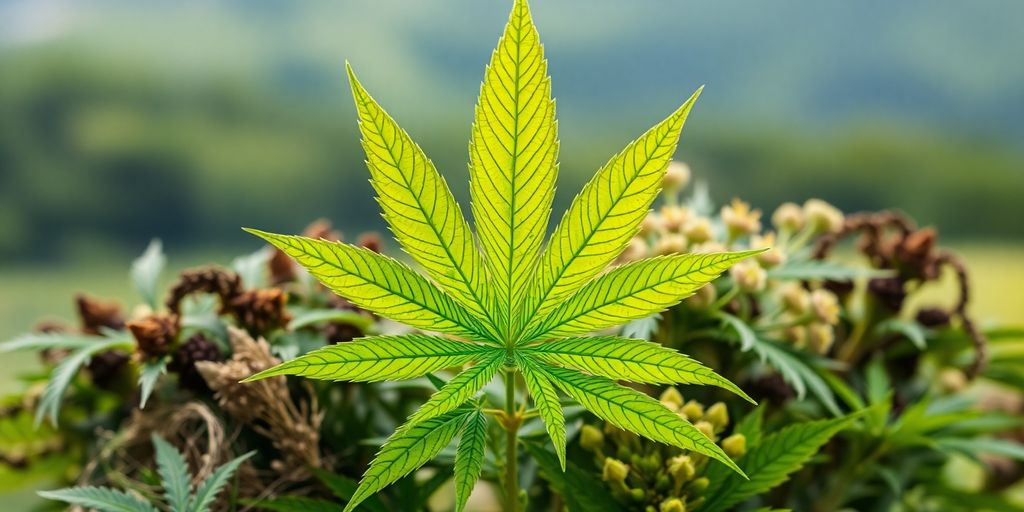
(508, 304)
(64, 373)
(146, 271)
(174, 477)
(770, 461)
(469, 460)
(151, 372)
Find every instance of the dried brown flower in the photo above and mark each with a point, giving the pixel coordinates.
(266, 405)
(261, 310)
(155, 335)
(197, 348)
(371, 241)
(96, 314)
(222, 283)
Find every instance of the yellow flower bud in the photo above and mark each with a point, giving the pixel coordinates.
(651, 224)
(823, 217)
(795, 298)
(693, 410)
(796, 334)
(704, 297)
(699, 485)
(673, 218)
(706, 428)
(717, 415)
(699, 230)
(614, 470)
(677, 176)
(773, 257)
(820, 337)
(672, 505)
(788, 217)
(671, 243)
(735, 446)
(740, 218)
(749, 276)
(681, 468)
(825, 306)
(671, 398)
(591, 438)
(708, 247)
(952, 380)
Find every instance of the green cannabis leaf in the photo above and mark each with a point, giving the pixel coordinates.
(175, 480)
(515, 305)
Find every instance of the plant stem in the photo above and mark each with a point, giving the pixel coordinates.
(511, 446)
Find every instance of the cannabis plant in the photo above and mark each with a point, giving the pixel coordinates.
(500, 300)
(175, 480)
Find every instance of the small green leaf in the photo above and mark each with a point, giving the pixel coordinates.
(207, 491)
(633, 291)
(631, 360)
(548, 406)
(378, 283)
(604, 216)
(344, 487)
(461, 388)
(321, 316)
(174, 474)
(99, 498)
(817, 269)
(747, 336)
(512, 159)
(469, 460)
(418, 205)
(972, 447)
(151, 372)
(64, 373)
(252, 268)
(752, 427)
(405, 451)
(636, 412)
(43, 341)
(379, 358)
(911, 330)
(146, 271)
(769, 463)
(296, 504)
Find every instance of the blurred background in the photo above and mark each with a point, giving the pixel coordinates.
(125, 120)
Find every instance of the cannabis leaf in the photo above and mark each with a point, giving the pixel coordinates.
(176, 481)
(517, 305)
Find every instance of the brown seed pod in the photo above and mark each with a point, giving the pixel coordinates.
(155, 335)
(96, 314)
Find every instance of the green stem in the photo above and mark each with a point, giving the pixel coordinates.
(511, 446)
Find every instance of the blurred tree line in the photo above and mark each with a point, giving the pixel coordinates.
(100, 156)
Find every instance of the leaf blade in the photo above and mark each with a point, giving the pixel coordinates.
(632, 360)
(377, 283)
(513, 149)
(459, 389)
(604, 216)
(405, 451)
(418, 205)
(207, 491)
(548, 405)
(378, 358)
(100, 498)
(174, 475)
(636, 412)
(633, 291)
(469, 459)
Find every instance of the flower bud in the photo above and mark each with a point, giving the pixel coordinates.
(708, 248)
(699, 230)
(788, 217)
(796, 334)
(749, 276)
(677, 176)
(681, 468)
(671, 243)
(637, 495)
(820, 337)
(717, 415)
(636, 249)
(693, 410)
(671, 398)
(795, 298)
(591, 438)
(704, 297)
(735, 446)
(825, 306)
(823, 217)
(651, 224)
(673, 218)
(155, 335)
(672, 505)
(706, 428)
(773, 257)
(614, 470)
(952, 380)
(699, 485)
(741, 219)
